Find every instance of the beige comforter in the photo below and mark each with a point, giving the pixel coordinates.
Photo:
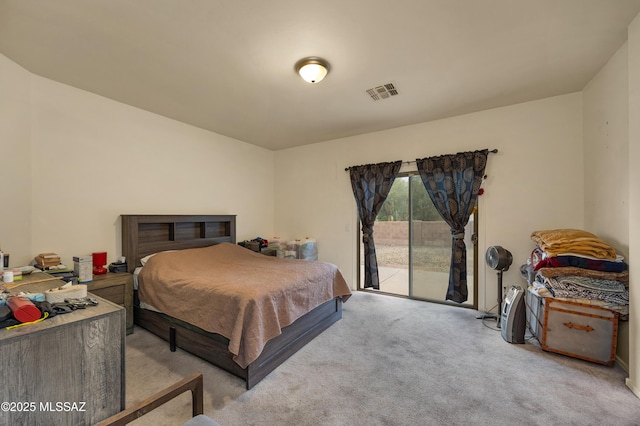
(243, 295)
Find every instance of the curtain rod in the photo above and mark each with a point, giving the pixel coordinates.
(492, 151)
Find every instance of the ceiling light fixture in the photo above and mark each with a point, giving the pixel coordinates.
(312, 70)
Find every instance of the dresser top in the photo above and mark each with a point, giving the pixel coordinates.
(104, 307)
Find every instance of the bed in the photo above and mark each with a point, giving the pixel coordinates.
(177, 239)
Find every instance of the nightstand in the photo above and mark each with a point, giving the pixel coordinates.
(118, 288)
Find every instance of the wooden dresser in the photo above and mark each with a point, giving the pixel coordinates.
(65, 370)
(118, 288)
(115, 287)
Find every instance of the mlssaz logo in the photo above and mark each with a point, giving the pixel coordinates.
(64, 406)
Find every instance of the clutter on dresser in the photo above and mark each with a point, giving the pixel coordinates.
(5, 314)
(69, 305)
(28, 277)
(10, 275)
(66, 275)
(22, 309)
(257, 244)
(58, 294)
(118, 266)
(47, 260)
(81, 302)
(99, 262)
(26, 270)
(578, 292)
(83, 268)
(4, 260)
(34, 297)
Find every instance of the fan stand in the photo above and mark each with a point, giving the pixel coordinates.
(497, 316)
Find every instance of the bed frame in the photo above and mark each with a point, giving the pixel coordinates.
(146, 234)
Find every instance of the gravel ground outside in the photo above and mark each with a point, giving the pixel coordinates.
(425, 258)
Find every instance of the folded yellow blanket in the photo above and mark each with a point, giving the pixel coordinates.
(556, 242)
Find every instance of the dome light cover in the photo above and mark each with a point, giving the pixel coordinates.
(312, 70)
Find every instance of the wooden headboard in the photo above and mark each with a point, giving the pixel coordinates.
(143, 235)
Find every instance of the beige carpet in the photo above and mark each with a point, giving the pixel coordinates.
(394, 361)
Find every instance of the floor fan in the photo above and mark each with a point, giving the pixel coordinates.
(499, 259)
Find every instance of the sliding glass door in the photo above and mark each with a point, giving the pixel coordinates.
(413, 245)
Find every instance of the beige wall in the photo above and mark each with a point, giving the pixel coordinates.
(15, 164)
(634, 205)
(93, 159)
(606, 177)
(534, 182)
(606, 144)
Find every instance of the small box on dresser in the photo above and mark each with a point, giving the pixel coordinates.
(117, 288)
(83, 268)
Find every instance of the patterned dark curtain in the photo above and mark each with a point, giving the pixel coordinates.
(453, 182)
(371, 184)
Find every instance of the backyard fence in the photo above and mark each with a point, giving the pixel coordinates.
(432, 233)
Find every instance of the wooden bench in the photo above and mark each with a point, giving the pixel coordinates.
(193, 383)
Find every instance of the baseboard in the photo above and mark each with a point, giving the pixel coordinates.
(633, 387)
(622, 364)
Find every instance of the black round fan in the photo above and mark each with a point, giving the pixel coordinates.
(498, 258)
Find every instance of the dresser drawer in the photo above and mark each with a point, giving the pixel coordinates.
(117, 288)
(115, 294)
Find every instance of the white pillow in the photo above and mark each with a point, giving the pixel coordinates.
(145, 259)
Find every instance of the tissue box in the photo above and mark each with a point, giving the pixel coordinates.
(118, 267)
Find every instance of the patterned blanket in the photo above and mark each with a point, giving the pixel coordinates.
(612, 292)
(622, 277)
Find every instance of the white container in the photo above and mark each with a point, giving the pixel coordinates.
(7, 276)
(277, 244)
(83, 268)
(291, 251)
(308, 249)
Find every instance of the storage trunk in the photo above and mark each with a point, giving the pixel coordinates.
(574, 329)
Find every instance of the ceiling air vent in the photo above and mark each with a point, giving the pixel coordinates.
(382, 92)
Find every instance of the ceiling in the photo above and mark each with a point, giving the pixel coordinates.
(228, 66)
